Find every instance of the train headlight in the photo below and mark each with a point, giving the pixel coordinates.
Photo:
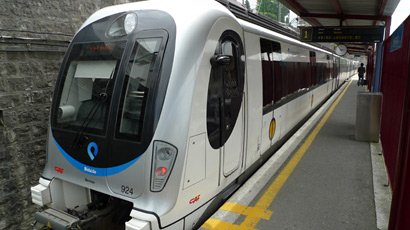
(123, 25)
(130, 22)
(163, 160)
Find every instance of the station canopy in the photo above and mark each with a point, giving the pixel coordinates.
(345, 13)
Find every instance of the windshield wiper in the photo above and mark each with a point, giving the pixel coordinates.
(102, 98)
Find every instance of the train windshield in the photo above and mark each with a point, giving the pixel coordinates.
(89, 82)
(88, 86)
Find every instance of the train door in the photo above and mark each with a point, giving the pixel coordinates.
(225, 110)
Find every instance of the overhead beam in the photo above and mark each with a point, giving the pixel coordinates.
(357, 46)
(382, 6)
(388, 25)
(344, 16)
(350, 50)
(380, 10)
(337, 6)
(357, 53)
(338, 9)
(357, 49)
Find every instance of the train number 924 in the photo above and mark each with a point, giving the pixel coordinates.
(127, 190)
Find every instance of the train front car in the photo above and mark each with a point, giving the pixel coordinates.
(130, 102)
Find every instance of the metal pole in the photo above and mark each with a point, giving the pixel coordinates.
(279, 12)
(379, 62)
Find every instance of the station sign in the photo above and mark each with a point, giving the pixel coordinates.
(342, 34)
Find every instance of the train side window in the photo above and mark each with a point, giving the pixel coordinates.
(313, 68)
(270, 61)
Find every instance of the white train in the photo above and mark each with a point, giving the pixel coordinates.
(160, 113)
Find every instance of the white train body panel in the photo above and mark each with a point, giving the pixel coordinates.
(253, 99)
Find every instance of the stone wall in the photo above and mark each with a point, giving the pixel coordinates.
(26, 80)
(33, 38)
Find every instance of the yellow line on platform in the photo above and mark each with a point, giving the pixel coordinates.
(218, 224)
(260, 210)
(246, 210)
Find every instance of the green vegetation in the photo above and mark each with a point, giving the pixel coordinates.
(272, 9)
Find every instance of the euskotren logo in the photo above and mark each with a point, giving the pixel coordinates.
(92, 150)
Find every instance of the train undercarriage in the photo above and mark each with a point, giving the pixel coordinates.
(104, 212)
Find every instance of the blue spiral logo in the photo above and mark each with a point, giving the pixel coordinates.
(92, 150)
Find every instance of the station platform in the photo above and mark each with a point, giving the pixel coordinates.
(321, 178)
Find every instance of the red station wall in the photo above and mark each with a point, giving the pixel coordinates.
(393, 86)
(395, 123)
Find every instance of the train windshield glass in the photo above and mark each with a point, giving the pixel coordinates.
(142, 65)
(88, 85)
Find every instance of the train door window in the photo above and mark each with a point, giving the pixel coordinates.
(270, 58)
(225, 88)
(267, 72)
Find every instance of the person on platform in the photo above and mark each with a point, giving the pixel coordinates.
(361, 70)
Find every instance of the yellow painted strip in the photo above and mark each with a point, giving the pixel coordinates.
(264, 202)
(235, 208)
(218, 224)
(239, 209)
(246, 210)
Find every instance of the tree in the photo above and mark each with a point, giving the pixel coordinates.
(272, 9)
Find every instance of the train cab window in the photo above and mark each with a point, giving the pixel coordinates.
(88, 85)
(140, 67)
(270, 58)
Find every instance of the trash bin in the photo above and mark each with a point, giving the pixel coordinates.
(368, 113)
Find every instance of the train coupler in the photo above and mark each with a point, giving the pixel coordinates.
(55, 219)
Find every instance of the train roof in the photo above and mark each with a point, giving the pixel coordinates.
(206, 8)
(176, 8)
